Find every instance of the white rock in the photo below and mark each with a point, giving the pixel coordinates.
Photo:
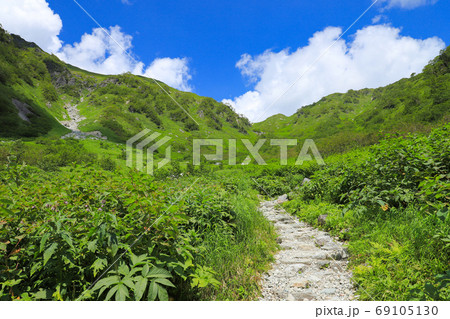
(298, 272)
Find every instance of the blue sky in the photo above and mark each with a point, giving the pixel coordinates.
(196, 45)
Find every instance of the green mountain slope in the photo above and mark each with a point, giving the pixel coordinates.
(118, 106)
(38, 92)
(25, 85)
(342, 121)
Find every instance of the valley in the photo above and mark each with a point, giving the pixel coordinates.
(76, 223)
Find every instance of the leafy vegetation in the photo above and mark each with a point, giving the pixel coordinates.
(391, 202)
(76, 224)
(142, 238)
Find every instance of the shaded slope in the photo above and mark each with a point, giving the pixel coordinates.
(24, 79)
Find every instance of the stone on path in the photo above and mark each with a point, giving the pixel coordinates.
(311, 265)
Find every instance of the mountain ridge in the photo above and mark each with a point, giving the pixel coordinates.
(118, 106)
(341, 121)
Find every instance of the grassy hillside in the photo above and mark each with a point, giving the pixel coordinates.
(118, 106)
(339, 122)
(70, 208)
(64, 218)
(24, 78)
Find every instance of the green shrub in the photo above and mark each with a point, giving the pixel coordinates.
(272, 186)
(49, 92)
(60, 231)
(393, 207)
(190, 125)
(5, 73)
(107, 164)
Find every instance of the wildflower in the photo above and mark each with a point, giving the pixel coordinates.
(66, 202)
(385, 207)
(100, 209)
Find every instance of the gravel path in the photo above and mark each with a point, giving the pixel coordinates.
(74, 117)
(72, 124)
(311, 265)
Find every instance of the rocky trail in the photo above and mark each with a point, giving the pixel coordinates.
(72, 124)
(74, 117)
(311, 265)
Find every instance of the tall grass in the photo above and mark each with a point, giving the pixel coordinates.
(240, 259)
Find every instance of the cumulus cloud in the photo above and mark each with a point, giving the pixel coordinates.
(174, 72)
(97, 52)
(407, 4)
(376, 56)
(33, 20)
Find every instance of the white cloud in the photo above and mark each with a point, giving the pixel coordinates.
(174, 72)
(408, 4)
(97, 52)
(379, 18)
(33, 20)
(376, 56)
